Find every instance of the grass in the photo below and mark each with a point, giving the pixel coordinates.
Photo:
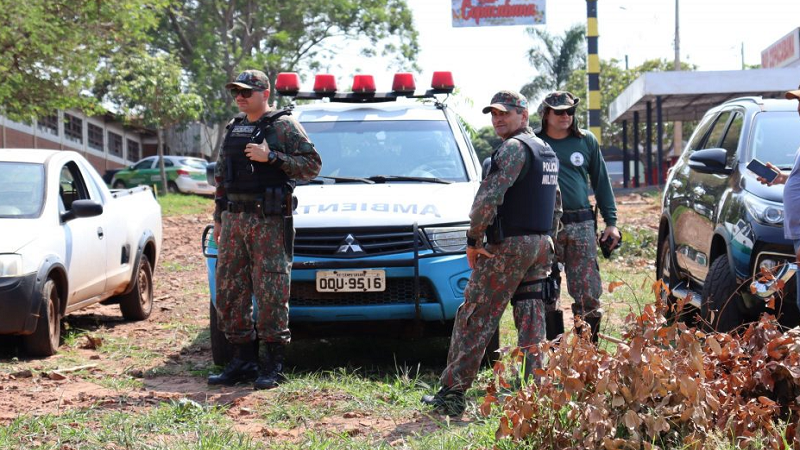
(181, 204)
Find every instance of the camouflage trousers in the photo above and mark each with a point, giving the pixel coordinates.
(252, 263)
(576, 250)
(517, 261)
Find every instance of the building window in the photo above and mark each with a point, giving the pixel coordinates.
(49, 124)
(73, 128)
(114, 144)
(95, 137)
(133, 150)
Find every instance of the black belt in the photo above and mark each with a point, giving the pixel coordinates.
(246, 207)
(581, 215)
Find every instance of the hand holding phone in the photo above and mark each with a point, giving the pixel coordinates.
(763, 171)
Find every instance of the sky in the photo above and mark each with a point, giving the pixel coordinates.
(485, 60)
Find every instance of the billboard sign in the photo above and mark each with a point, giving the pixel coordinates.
(489, 13)
(783, 52)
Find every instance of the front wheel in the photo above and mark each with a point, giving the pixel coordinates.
(44, 341)
(138, 303)
(722, 306)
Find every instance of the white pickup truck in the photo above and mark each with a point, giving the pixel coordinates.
(67, 242)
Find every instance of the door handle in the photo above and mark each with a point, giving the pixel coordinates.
(100, 233)
(699, 191)
(676, 184)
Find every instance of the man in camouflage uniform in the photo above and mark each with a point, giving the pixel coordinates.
(263, 153)
(516, 208)
(582, 166)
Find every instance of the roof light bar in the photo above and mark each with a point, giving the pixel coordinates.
(403, 83)
(364, 84)
(324, 84)
(443, 82)
(287, 83)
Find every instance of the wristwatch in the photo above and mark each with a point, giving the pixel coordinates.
(272, 157)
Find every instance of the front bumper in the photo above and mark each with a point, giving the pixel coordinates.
(439, 281)
(19, 303)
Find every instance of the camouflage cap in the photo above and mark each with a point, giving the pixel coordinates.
(504, 99)
(560, 100)
(793, 95)
(250, 79)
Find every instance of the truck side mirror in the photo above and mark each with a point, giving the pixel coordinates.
(210, 173)
(82, 208)
(486, 166)
(711, 161)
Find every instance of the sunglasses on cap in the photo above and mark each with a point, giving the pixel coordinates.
(245, 93)
(561, 112)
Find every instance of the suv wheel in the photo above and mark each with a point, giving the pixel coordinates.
(720, 297)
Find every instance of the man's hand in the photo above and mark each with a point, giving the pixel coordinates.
(217, 231)
(472, 255)
(613, 233)
(257, 152)
(780, 179)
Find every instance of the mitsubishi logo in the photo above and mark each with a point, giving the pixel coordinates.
(350, 245)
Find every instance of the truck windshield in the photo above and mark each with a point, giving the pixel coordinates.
(21, 189)
(776, 137)
(389, 147)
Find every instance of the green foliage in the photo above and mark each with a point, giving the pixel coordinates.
(485, 142)
(182, 205)
(555, 58)
(613, 81)
(216, 40)
(50, 50)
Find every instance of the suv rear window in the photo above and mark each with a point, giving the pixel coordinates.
(415, 148)
(776, 137)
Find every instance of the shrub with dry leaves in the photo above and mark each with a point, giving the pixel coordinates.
(665, 386)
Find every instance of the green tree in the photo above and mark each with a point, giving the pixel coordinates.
(555, 59)
(151, 91)
(485, 142)
(50, 50)
(216, 40)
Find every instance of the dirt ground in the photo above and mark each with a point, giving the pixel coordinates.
(67, 382)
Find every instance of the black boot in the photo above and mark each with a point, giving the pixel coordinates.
(447, 401)
(241, 368)
(594, 326)
(270, 365)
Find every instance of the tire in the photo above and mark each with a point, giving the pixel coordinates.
(490, 356)
(45, 340)
(221, 349)
(664, 272)
(119, 185)
(720, 296)
(138, 303)
(172, 188)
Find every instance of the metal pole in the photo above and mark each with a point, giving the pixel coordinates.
(677, 126)
(636, 160)
(660, 145)
(625, 168)
(593, 70)
(649, 146)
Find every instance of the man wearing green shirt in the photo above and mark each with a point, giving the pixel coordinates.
(581, 167)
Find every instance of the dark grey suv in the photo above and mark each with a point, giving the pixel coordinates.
(719, 226)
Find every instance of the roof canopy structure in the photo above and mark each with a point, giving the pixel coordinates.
(687, 95)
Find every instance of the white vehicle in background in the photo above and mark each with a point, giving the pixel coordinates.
(67, 242)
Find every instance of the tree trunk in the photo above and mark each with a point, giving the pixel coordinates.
(160, 137)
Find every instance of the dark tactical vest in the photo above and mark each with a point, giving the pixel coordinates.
(529, 204)
(242, 175)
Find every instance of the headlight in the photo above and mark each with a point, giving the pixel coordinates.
(448, 239)
(10, 265)
(764, 211)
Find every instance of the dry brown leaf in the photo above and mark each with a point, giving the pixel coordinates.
(614, 284)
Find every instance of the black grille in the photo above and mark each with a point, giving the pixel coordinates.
(398, 291)
(372, 242)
